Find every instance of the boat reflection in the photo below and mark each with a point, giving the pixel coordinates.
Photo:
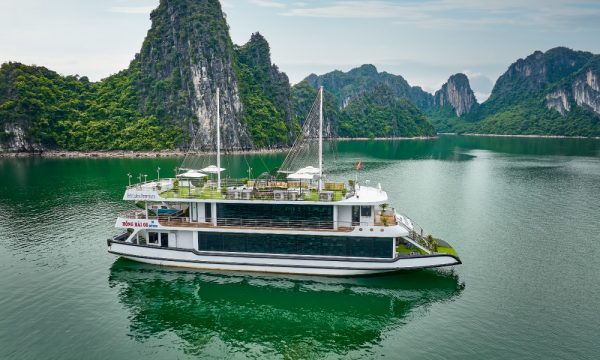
(295, 317)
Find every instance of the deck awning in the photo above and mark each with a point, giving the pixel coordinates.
(212, 169)
(309, 170)
(192, 174)
(301, 176)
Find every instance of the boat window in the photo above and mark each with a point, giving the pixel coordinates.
(365, 211)
(297, 244)
(207, 211)
(164, 239)
(279, 215)
(355, 215)
(153, 238)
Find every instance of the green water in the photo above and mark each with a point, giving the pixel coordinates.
(522, 213)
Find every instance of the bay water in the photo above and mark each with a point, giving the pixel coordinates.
(523, 214)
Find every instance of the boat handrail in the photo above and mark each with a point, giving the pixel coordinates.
(258, 184)
(249, 222)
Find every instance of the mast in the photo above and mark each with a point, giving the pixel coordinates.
(320, 137)
(218, 142)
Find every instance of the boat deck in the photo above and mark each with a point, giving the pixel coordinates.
(176, 223)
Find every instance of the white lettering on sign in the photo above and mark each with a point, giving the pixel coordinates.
(139, 196)
(139, 224)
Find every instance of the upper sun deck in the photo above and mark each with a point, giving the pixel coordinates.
(258, 191)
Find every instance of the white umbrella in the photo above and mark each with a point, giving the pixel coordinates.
(212, 169)
(300, 176)
(192, 174)
(309, 170)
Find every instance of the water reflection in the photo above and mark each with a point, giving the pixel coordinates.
(294, 317)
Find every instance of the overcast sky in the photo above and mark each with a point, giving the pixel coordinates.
(424, 41)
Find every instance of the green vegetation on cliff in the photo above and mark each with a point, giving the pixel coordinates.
(162, 100)
(551, 93)
(265, 93)
(377, 113)
(73, 113)
(380, 114)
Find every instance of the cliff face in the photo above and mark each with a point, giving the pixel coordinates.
(581, 89)
(536, 73)
(586, 91)
(364, 103)
(550, 93)
(457, 94)
(185, 57)
(188, 54)
(265, 93)
(559, 101)
(165, 97)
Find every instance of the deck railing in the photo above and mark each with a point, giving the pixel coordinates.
(242, 189)
(245, 222)
(270, 223)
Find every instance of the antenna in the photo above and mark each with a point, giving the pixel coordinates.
(320, 138)
(218, 142)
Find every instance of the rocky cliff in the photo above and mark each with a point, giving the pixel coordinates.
(165, 97)
(186, 56)
(581, 89)
(546, 93)
(346, 86)
(266, 95)
(457, 94)
(168, 94)
(366, 103)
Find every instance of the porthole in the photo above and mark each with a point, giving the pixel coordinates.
(371, 229)
(359, 229)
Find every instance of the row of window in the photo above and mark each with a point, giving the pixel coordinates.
(153, 238)
(275, 211)
(297, 244)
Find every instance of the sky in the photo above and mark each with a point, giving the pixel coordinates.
(424, 41)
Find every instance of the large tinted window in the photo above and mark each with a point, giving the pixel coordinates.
(153, 238)
(365, 211)
(276, 215)
(296, 244)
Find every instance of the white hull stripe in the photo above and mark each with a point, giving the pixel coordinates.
(291, 266)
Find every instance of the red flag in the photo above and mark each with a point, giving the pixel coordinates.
(359, 165)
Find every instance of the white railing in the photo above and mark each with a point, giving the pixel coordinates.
(251, 223)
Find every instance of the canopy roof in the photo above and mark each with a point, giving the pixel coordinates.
(212, 169)
(300, 176)
(309, 170)
(192, 174)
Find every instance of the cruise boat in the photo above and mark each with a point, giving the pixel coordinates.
(297, 221)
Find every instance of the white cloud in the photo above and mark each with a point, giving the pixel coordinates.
(268, 3)
(132, 9)
(436, 13)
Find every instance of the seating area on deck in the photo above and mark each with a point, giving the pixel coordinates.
(232, 189)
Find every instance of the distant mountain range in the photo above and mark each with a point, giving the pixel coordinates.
(551, 93)
(167, 94)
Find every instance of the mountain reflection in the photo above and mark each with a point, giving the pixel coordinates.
(290, 317)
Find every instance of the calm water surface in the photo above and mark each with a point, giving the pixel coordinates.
(524, 214)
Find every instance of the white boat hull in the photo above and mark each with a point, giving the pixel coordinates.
(275, 264)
